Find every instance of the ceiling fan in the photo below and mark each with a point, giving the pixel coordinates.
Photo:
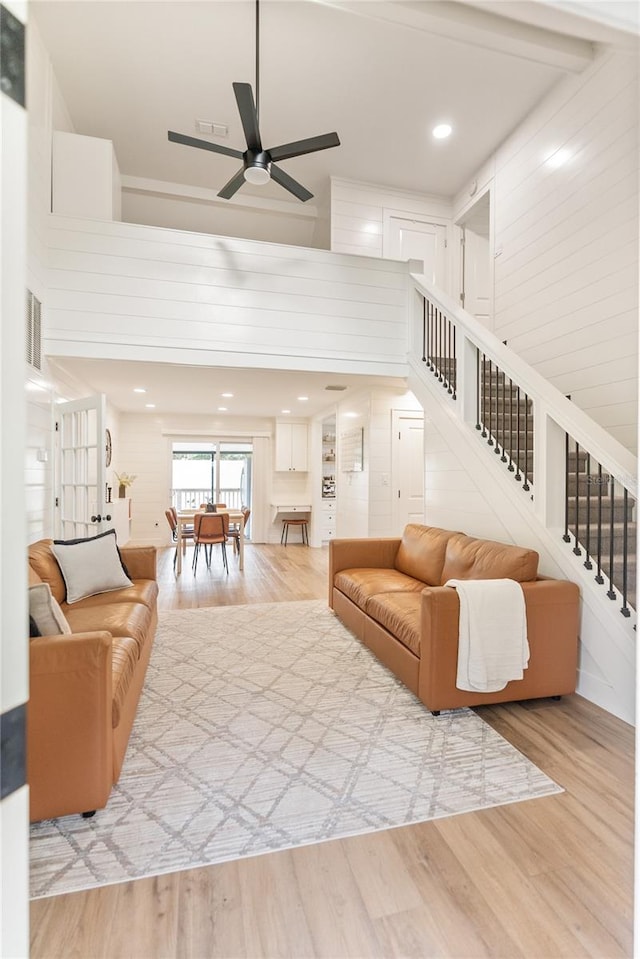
(258, 163)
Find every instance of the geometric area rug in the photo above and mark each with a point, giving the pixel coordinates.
(264, 727)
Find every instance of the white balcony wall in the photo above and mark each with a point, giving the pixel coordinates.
(565, 202)
(121, 291)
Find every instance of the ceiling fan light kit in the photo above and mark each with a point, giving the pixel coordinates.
(258, 163)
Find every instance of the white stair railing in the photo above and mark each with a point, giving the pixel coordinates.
(541, 437)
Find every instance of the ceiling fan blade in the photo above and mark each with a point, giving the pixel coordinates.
(289, 183)
(233, 185)
(204, 145)
(310, 145)
(248, 115)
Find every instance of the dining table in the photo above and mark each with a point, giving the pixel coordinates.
(186, 517)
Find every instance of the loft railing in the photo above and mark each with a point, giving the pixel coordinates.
(580, 482)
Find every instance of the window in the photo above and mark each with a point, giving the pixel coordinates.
(215, 472)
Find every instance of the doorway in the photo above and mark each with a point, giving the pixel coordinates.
(476, 266)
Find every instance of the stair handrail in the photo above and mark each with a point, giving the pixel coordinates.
(613, 456)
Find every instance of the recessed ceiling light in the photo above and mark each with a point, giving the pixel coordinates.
(285, 411)
(150, 406)
(227, 396)
(139, 389)
(303, 399)
(442, 131)
(222, 409)
(351, 415)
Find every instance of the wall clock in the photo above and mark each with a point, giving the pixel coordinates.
(108, 448)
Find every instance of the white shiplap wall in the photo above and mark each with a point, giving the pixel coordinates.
(566, 241)
(358, 214)
(122, 291)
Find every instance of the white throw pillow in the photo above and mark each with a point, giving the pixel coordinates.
(45, 611)
(90, 566)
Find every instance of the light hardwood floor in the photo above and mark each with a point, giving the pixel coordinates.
(544, 878)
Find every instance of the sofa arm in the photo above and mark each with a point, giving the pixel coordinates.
(141, 561)
(360, 554)
(69, 734)
(552, 608)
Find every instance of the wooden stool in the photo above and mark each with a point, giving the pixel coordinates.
(302, 523)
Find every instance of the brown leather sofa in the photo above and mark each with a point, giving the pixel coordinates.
(390, 593)
(85, 687)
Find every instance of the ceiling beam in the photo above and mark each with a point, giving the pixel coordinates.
(467, 23)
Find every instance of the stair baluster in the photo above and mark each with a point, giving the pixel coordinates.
(576, 548)
(599, 577)
(625, 553)
(611, 593)
(587, 544)
(518, 475)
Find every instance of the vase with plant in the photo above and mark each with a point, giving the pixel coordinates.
(124, 481)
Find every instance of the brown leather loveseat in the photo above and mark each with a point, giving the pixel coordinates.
(85, 686)
(391, 594)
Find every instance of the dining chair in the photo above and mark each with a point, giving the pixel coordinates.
(209, 530)
(187, 531)
(234, 530)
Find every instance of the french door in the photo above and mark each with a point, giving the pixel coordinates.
(81, 468)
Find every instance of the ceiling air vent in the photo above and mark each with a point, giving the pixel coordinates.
(335, 389)
(34, 331)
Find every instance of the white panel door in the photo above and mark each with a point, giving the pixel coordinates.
(476, 275)
(409, 239)
(407, 457)
(81, 475)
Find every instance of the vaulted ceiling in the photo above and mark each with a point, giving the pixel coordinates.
(380, 73)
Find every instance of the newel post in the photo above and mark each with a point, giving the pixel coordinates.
(467, 387)
(548, 469)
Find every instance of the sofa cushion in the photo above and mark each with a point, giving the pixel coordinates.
(469, 558)
(44, 564)
(120, 619)
(89, 566)
(143, 591)
(400, 614)
(124, 658)
(45, 612)
(360, 584)
(421, 552)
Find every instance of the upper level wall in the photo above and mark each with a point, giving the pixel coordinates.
(122, 291)
(565, 200)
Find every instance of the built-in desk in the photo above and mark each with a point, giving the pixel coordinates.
(285, 509)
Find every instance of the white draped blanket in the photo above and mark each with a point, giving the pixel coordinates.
(492, 644)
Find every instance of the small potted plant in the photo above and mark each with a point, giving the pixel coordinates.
(124, 481)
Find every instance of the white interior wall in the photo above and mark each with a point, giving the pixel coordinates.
(200, 216)
(123, 291)
(358, 212)
(565, 205)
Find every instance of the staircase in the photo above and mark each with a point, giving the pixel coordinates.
(600, 516)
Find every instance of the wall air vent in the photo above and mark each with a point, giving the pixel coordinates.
(34, 331)
(335, 389)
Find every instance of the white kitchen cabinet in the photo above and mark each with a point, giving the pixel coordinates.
(328, 520)
(292, 447)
